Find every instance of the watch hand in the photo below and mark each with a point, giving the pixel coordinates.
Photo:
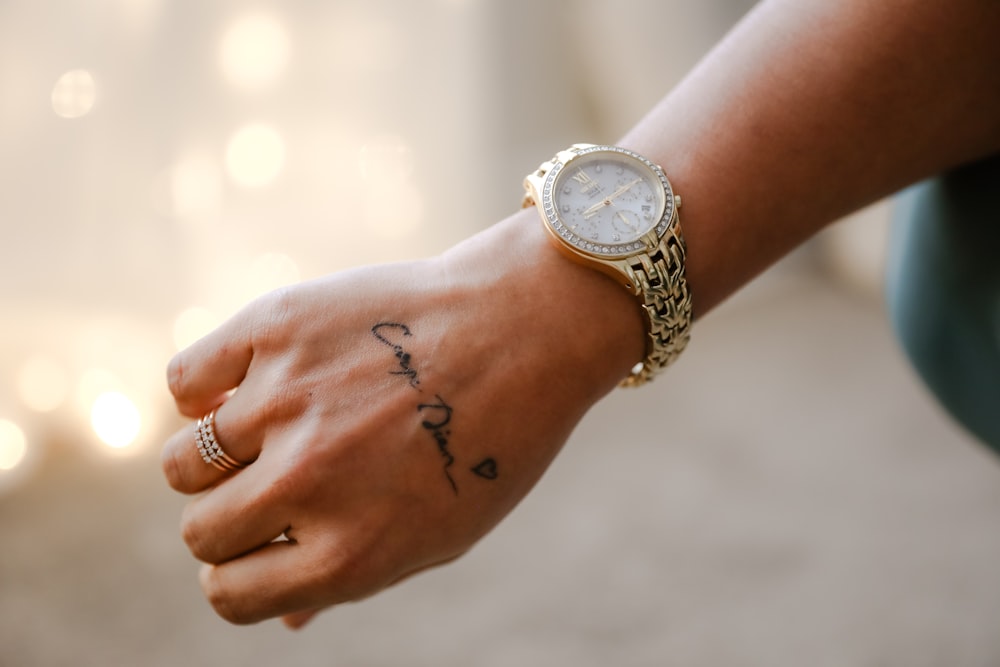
(625, 221)
(607, 201)
(623, 189)
(595, 208)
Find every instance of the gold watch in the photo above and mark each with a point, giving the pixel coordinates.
(612, 209)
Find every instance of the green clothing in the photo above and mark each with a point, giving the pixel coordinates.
(943, 289)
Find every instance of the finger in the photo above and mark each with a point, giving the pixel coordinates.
(295, 580)
(238, 436)
(200, 376)
(280, 579)
(299, 619)
(295, 577)
(233, 518)
(424, 568)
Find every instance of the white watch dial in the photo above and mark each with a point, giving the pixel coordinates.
(605, 199)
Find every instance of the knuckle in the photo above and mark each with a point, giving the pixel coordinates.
(173, 470)
(228, 609)
(225, 604)
(277, 309)
(176, 376)
(194, 538)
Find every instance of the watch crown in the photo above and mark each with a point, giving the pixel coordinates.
(677, 201)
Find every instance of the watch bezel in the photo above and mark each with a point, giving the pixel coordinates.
(584, 246)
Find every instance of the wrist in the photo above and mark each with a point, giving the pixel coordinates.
(589, 327)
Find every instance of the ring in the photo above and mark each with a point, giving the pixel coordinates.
(209, 447)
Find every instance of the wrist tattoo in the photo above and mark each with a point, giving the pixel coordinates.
(383, 331)
(435, 416)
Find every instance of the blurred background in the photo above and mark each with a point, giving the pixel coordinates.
(789, 495)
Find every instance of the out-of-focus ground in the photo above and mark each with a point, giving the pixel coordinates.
(788, 495)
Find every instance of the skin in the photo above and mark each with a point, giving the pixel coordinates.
(806, 111)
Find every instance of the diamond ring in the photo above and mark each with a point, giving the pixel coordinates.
(209, 447)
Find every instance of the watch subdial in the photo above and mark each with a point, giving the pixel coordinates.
(625, 222)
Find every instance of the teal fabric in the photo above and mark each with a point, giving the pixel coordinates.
(943, 289)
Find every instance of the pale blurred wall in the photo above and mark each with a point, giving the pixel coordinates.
(164, 162)
(586, 70)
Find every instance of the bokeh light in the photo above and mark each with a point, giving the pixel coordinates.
(92, 383)
(42, 384)
(74, 94)
(255, 155)
(254, 51)
(13, 445)
(192, 324)
(115, 419)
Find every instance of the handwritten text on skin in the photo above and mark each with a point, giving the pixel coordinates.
(436, 416)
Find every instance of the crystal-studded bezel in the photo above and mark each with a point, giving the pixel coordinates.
(604, 250)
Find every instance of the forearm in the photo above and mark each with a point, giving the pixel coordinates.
(811, 109)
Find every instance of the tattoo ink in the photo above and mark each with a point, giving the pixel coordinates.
(386, 338)
(487, 469)
(437, 416)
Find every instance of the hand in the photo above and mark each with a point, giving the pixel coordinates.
(393, 415)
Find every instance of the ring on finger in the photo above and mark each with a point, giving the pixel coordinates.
(210, 449)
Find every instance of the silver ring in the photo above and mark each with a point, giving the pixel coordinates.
(209, 447)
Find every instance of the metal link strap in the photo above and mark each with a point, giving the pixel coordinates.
(667, 304)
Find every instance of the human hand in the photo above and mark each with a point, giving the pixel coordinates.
(393, 415)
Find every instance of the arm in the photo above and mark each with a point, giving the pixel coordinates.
(395, 414)
(812, 109)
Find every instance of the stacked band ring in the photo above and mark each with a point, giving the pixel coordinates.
(209, 447)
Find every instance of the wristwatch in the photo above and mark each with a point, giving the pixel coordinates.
(614, 210)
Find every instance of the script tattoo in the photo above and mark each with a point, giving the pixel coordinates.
(405, 369)
(436, 416)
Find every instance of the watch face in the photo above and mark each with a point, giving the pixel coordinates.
(605, 199)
